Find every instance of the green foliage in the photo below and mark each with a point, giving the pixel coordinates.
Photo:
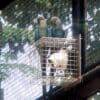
(16, 38)
(11, 36)
(93, 30)
(42, 2)
(23, 13)
(5, 69)
(97, 17)
(15, 35)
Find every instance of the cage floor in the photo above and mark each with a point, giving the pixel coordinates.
(59, 81)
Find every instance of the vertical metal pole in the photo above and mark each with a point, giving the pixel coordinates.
(1, 91)
(79, 56)
(1, 94)
(0, 34)
(78, 15)
(43, 61)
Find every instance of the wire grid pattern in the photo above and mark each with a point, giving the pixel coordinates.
(18, 25)
(24, 77)
(58, 75)
(20, 87)
(92, 32)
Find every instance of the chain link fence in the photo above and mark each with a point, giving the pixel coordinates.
(21, 74)
(92, 32)
(18, 22)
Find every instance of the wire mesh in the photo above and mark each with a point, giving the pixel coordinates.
(64, 67)
(92, 32)
(18, 55)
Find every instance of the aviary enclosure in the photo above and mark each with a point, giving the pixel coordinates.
(26, 73)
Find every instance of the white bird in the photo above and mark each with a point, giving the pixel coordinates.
(59, 59)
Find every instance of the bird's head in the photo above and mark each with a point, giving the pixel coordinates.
(39, 18)
(55, 21)
(42, 22)
(67, 46)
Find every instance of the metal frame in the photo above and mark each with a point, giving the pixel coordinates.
(43, 46)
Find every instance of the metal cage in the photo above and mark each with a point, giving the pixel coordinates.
(56, 73)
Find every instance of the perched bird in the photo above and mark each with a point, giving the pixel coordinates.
(55, 22)
(41, 29)
(42, 22)
(55, 30)
(59, 59)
